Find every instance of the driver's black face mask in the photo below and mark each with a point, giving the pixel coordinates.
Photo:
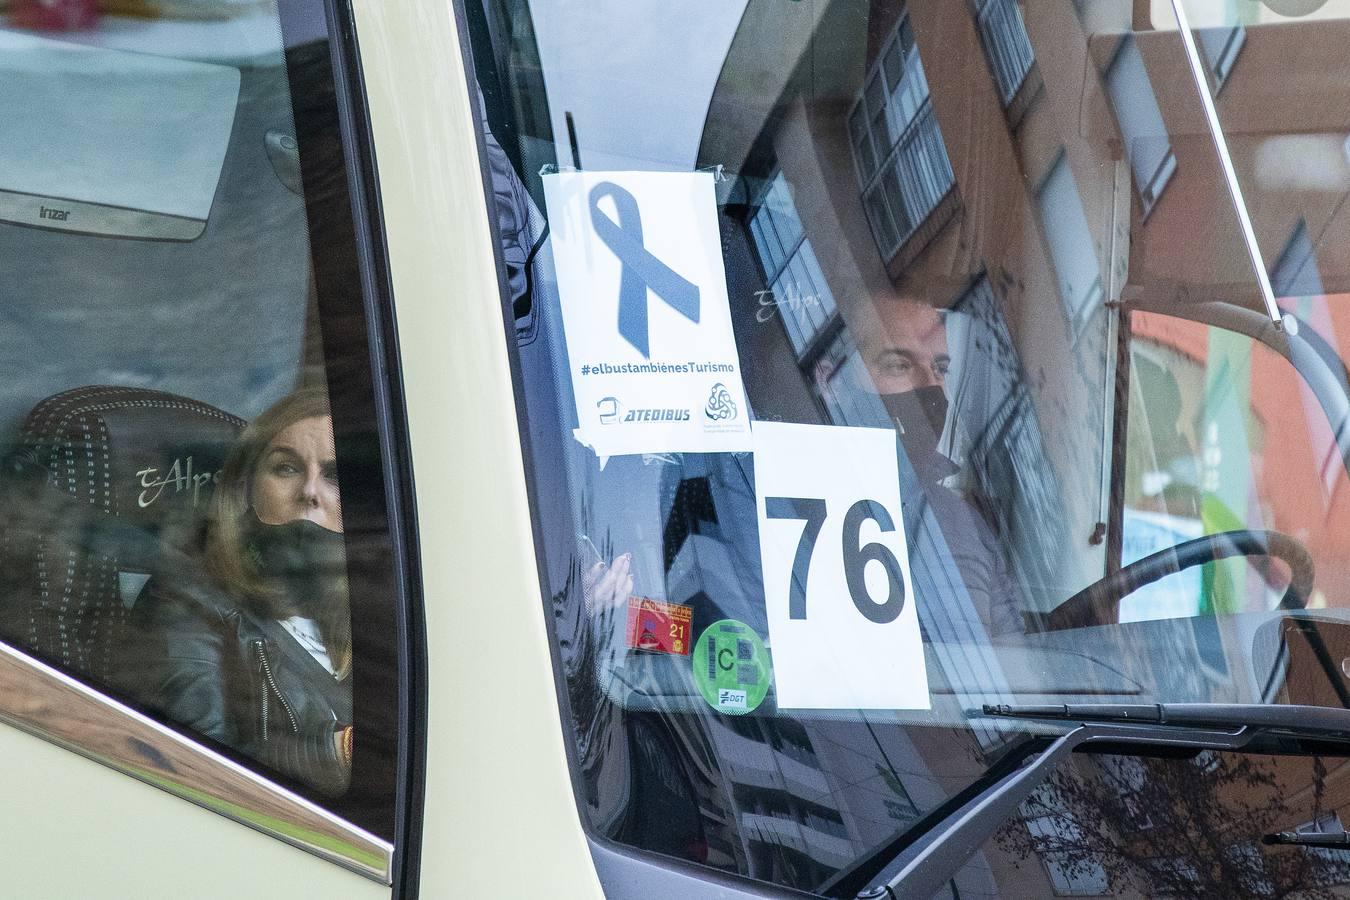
(302, 559)
(920, 415)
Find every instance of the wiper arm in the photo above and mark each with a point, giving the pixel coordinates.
(848, 881)
(1312, 722)
(1336, 839)
(1198, 726)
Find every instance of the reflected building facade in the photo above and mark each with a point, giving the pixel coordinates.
(1033, 169)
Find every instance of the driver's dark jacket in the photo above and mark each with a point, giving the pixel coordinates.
(974, 548)
(242, 679)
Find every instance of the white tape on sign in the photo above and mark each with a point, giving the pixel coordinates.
(843, 625)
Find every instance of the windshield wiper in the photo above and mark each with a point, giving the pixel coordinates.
(1336, 839)
(1198, 726)
(1309, 722)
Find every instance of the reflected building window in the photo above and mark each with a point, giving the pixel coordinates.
(1127, 776)
(799, 296)
(1006, 44)
(1141, 123)
(1247, 859)
(902, 163)
(1220, 47)
(1295, 273)
(1069, 879)
(1172, 870)
(797, 292)
(1072, 253)
(1056, 835)
(999, 440)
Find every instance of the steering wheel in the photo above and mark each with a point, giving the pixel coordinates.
(1099, 604)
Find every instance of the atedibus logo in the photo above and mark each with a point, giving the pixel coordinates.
(612, 413)
(657, 415)
(609, 410)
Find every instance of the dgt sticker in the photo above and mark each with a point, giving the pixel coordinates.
(837, 587)
(731, 667)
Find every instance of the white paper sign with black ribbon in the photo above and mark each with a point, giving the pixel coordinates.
(644, 302)
(843, 626)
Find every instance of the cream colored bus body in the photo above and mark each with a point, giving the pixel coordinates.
(498, 790)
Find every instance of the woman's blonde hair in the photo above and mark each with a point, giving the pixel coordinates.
(231, 516)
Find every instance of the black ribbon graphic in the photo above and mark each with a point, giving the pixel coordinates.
(641, 270)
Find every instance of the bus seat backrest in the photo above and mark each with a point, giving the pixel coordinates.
(100, 479)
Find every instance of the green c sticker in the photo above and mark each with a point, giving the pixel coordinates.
(731, 667)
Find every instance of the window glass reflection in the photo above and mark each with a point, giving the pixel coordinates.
(186, 370)
(1002, 234)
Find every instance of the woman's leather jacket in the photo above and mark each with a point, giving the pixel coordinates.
(241, 679)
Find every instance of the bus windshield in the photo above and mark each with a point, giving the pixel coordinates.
(883, 360)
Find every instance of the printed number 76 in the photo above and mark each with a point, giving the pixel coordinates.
(856, 558)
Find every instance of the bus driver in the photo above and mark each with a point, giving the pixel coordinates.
(904, 349)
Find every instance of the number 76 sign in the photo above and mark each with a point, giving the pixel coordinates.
(843, 625)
